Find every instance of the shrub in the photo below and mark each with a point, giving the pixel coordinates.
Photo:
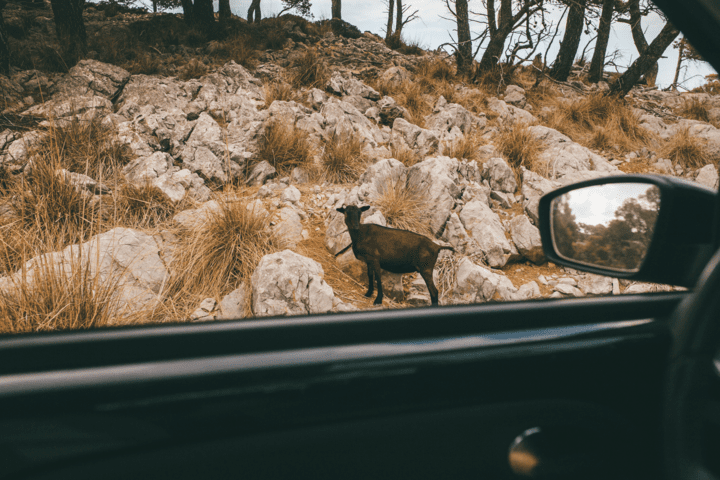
(144, 64)
(343, 159)
(310, 71)
(285, 146)
(436, 69)
(519, 146)
(238, 48)
(686, 150)
(406, 204)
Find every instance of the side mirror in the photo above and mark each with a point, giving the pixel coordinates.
(643, 227)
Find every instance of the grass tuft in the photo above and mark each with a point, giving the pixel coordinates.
(219, 255)
(278, 91)
(310, 71)
(466, 147)
(52, 302)
(143, 206)
(520, 147)
(686, 150)
(343, 159)
(285, 147)
(694, 109)
(406, 205)
(193, 69)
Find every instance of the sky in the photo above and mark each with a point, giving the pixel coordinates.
(432, 30)
(597, 204)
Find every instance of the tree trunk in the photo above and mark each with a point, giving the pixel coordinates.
(645, 62)
(203, 11)
(254, 15)
(187, 7)
(391, 6)
(639, 38)
(224, 10)
(398, 18)
(597, 65)
(70, 29)
(4, 53)
(336, 7)
(570, 41)
(464, 52)
(498, 34)
(681, 49)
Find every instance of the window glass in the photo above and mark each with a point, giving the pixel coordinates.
(162, 167)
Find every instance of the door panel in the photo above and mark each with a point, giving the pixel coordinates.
(450, 388)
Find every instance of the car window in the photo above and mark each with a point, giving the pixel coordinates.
(171, 167)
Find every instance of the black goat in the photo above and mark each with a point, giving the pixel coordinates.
(397, 251)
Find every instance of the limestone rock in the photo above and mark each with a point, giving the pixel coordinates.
(485, 228)
(527, 239)
(286, 283)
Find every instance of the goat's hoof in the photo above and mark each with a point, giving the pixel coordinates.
(377, 302)
(369, 294)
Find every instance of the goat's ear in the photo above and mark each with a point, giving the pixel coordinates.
(341, 209)
(366, 207)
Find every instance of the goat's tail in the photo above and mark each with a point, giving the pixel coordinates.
(447, 247)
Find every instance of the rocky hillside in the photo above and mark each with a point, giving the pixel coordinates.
(135, 198)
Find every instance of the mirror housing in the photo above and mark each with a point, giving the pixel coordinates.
(682, 238)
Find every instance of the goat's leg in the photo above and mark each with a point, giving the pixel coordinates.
(378, 279)
(371, 287)
(427, 275)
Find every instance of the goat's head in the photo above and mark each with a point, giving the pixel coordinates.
(352, 215)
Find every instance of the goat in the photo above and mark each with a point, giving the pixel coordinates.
(394, 250)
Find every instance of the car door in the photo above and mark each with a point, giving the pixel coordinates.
(542, 389)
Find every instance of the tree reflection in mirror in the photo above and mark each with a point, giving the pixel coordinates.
(607, 226)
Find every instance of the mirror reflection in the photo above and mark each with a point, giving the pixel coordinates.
(608, 226)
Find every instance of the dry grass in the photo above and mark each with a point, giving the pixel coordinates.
(52, 210)
(144, 63)
(599, 121)
(413, 97)
(343, 159)
(278, 91)
(143, 206)
(694, 109)
(436, 69)
(240, 49)
(406, 204)
(520, 147)
(58, 299)
(215, 258)
(405, 155)
(193, 69)
(85, 147)
(310, 71)
(686, 150)
(467, 147)
(285, 147)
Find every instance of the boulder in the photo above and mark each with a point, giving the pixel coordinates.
(515, 96)
(286, 283)
(500, 175)
(379, 176)
(288, 227)
(708, 176)
(563, 156)
(485, 228)
(437, 178)
(126, 261)
(232, 305)
(473, 283)
(407, 135)
(592, 284)
(527, 239)
(509, 115)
